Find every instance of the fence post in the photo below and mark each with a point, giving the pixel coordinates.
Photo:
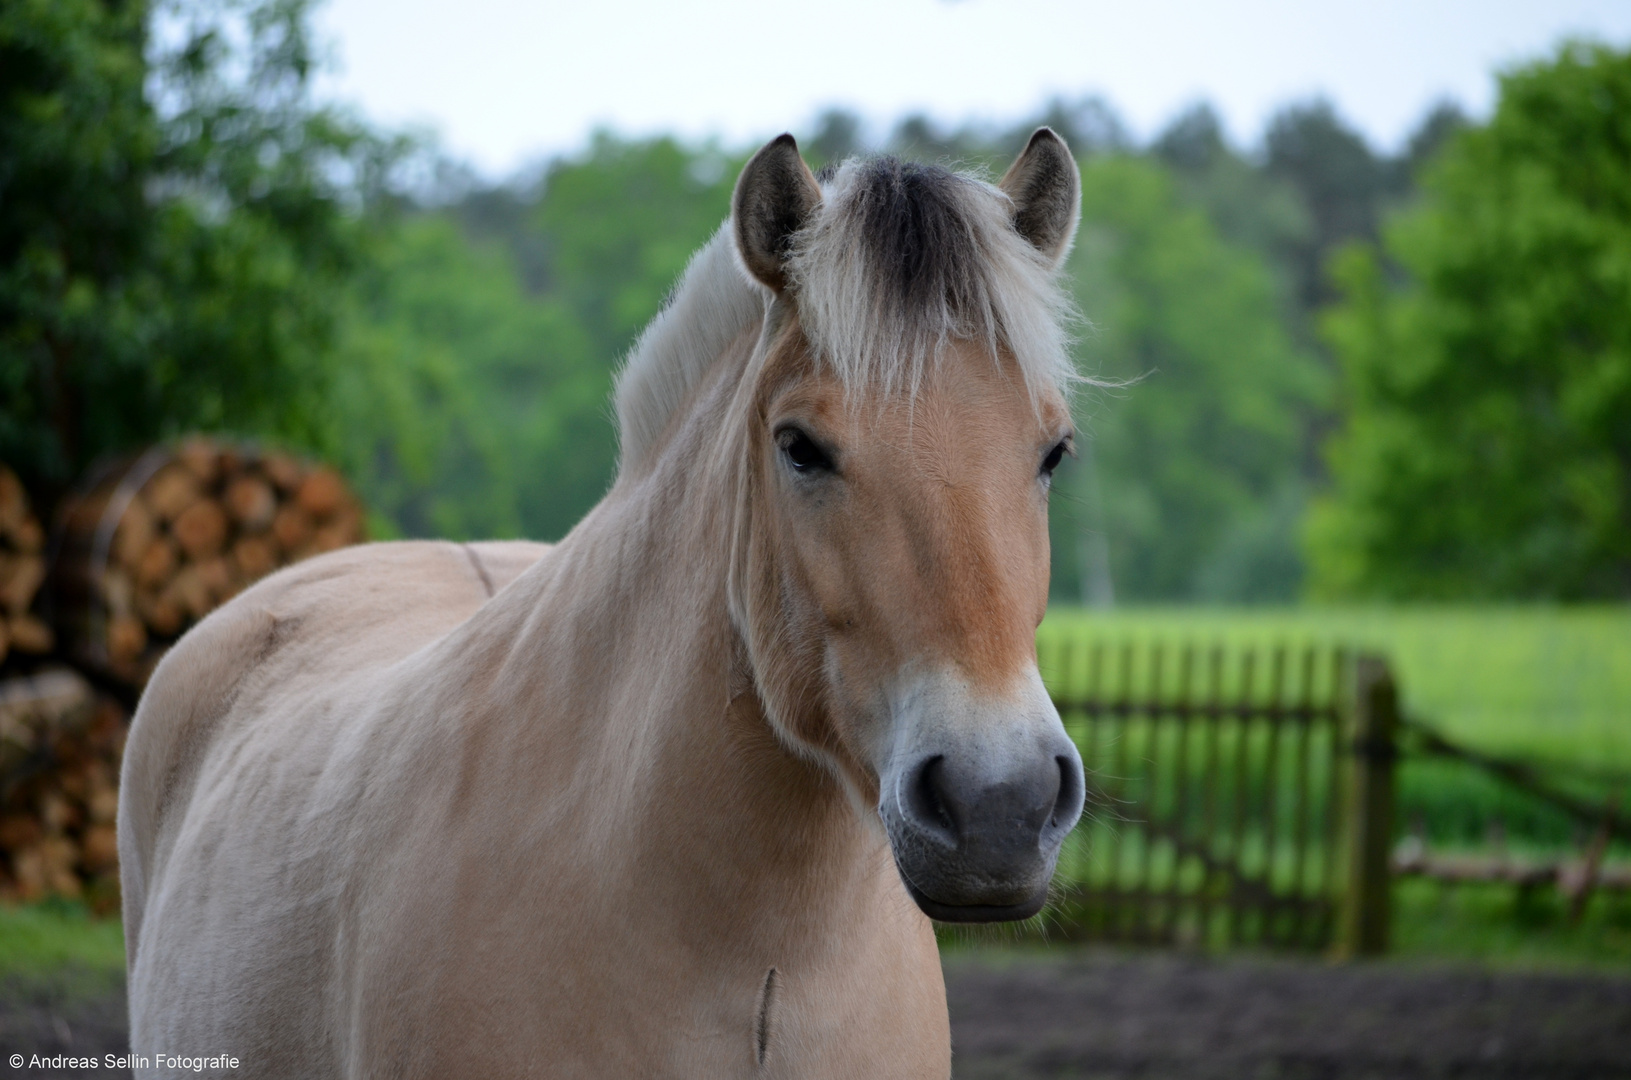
(1374, 714)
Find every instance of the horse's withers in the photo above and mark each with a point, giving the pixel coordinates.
(896, 563)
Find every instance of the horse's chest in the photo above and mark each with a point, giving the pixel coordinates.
(615, 1012)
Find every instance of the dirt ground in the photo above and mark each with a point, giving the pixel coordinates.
(1121, 1016)
(1109, 1016)
(73, 1012)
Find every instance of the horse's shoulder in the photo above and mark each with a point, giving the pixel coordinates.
(372, 597)
(318, 623)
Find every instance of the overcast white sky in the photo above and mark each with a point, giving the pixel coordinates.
(506, 82)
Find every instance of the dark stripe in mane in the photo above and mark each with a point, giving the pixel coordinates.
(903, 257)
(920, 243)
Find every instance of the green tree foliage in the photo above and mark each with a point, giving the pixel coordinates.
(479, 349)
(1319, 185)
(1249, 205)
(1194, 479)
(1486, 449)
(188, 242)
(77, 139)
(837, 136)
(620, 224)
(459, 397)
(1343, 184)
(172, 234)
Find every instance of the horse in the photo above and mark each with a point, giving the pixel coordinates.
(680, 794)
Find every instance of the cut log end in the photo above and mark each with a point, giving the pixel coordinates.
(206, 524)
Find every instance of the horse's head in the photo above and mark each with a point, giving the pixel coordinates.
(905, 418)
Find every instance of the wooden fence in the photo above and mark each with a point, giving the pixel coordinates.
(1235, 796)
(1559, 786)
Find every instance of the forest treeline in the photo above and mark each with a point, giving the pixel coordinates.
(1337, 372)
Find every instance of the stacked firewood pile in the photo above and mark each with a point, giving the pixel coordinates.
(141, 552)
(60, 744)
(22, 572)
(157, 544)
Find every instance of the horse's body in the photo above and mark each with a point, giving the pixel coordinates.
(632, 805)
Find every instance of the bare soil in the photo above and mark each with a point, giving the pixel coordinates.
(72, 1012)
(1110, 1016)
(1099, 1015)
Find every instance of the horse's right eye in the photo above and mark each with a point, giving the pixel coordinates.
(802, 452)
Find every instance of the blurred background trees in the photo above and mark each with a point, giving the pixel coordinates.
(177, 222)
(1194, 478)
(188, 240)
(1485, 348)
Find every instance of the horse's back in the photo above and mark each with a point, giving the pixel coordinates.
(245, 712)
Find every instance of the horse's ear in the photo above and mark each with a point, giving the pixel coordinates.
(775, 196)
(1047, 194)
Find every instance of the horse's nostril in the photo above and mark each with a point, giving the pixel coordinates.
(1069, 794)
(927, 799)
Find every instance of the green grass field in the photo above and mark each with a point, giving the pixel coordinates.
(1503, 927)
(40, 940)
(1486, 925)
(1547, 685)
(1549, 682)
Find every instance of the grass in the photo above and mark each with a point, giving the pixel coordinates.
(1550, 686)
(1503, 927)
(39, 940)
(1547, 682)
(1491, 926)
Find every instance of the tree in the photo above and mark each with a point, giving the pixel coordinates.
(457, 394)
(837, 136)
(1486, 360)
(621, 222)
(1195, 483)
(1246, 203)
(77, 142)
(1342, 182)
(478, 348)
(172, 234)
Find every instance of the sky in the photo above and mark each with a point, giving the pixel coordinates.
(506, 83)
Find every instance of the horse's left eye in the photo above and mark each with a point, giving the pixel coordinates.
(802, 452)
(1055, 456)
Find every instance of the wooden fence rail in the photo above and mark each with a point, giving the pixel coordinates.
(1235, 796)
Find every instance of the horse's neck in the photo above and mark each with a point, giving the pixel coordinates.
(622, 643)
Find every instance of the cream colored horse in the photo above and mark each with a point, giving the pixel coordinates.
(673, 797)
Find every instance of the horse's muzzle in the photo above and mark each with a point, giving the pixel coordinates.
(976, 837)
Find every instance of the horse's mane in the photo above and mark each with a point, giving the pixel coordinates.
(899, 258)
(714, 301)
